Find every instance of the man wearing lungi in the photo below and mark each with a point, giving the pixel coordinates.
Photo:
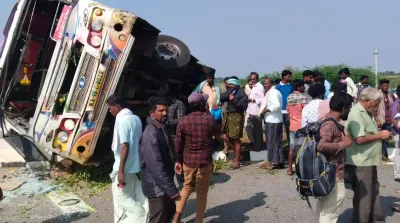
(232, 125)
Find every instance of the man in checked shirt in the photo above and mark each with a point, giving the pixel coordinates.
(194, 147)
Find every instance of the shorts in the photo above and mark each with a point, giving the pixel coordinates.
(292, 138)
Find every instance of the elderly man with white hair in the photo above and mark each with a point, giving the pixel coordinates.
(364, 156)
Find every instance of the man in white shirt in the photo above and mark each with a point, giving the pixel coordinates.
(310, 111)
(344, 75)
(254, 124)
(271, 110)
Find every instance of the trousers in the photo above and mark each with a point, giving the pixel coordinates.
(366, 200)
(162, 209)
(254, 131)
(201, 177)
(328, 208)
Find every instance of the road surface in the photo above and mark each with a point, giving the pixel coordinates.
(249, 194)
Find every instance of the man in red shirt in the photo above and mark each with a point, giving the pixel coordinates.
(194, 146)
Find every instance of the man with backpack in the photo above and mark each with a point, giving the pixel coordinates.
(332, 143)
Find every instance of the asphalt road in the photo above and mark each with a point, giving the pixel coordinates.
(246, 195)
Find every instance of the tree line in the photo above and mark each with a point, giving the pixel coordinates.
(331, 74)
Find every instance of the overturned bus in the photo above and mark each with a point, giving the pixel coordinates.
(61, 60)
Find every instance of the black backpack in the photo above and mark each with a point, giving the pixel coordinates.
(315, 175)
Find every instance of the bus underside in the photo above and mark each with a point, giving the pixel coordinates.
(154, 62)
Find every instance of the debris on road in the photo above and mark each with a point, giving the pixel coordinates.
(26, 182)
(11, 185)
(69, 203)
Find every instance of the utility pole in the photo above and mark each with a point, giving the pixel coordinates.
(376, 67)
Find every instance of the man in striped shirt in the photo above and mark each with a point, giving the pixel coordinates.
(295, 104)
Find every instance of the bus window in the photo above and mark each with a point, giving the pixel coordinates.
(28, 62)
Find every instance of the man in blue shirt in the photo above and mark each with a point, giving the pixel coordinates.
(285, 88)
(130, 204)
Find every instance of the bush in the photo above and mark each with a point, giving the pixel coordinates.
(331, 73)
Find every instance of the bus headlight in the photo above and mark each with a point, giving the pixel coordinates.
(69, 124)
(95, 41)
(62, 136)
(97, 25)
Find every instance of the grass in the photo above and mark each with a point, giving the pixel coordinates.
(95, 179)
(221, 165)
(271, 172)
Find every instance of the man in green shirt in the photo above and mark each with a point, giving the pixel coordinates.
(364, 155)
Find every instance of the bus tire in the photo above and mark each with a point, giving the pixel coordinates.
(171, 53)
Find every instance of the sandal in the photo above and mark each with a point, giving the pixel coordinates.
(267, 166)
(234, 167)
(290, 172)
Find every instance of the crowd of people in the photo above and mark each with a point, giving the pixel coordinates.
(179, 140)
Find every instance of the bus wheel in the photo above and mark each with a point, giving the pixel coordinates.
(171, 53)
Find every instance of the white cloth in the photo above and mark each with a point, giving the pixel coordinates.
(310, 112)
(351, 87)
(257, 93)
(328, 208)
(130, 204)
(396, 158)
(273, 102)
